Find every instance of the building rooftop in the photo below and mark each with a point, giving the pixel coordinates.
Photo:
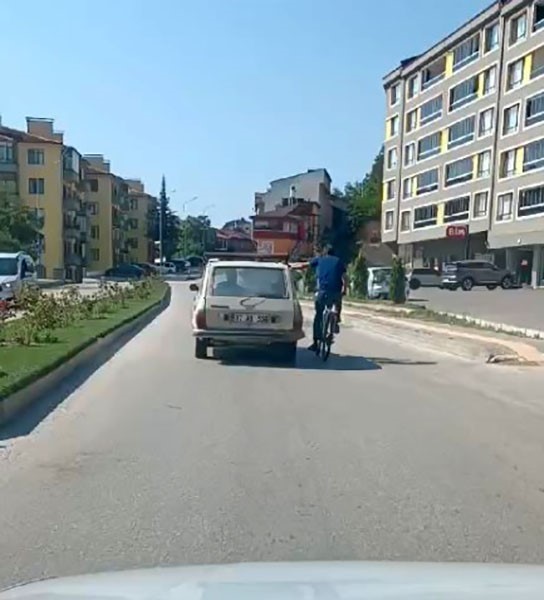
(23, 136)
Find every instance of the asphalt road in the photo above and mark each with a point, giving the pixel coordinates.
(386, 452)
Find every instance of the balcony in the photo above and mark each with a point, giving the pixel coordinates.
(434, 73)
(537, 63)
(8, 166)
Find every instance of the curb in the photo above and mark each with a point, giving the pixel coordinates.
(525, 353)
(93, 355)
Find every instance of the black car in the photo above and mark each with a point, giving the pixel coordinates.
(147, 268)
(125, 272)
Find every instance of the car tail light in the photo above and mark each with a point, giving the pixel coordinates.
(200, 318)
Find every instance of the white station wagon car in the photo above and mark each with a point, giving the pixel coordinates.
(246, 304)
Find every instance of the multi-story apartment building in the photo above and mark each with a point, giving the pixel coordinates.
(140, 243)
(107, 199)
(464, 145)
(45, 175)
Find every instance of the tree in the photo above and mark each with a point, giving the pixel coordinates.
(196, 235)
(171, 224)
(358, 276)
(19, 226)
(397, 284)
(364, 198)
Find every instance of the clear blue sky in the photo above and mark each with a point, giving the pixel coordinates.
(220, 95)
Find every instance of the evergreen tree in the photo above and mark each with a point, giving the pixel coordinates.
(171, 224)
(358, 276)
(397, 285)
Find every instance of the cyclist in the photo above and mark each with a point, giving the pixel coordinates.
(331, 286)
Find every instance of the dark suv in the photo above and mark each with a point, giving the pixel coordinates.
(468, 273)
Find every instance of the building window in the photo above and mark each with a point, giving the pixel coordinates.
(427, 181)
(425, 216)
(466, 52)
(35, 156)
(95, 254)
(93, 208)
(390, 190)
(405, 220)
(389, 220)
(393, 125)
(514, 75)
(429, 146)
(511, 119)
(133, 223)
(133, 204)
(413, 86)
(431, 110)
(95, 232)
(490, 80)
(457, 209)
(132, 243)
(36, 185)
(394, 94)
(461, 132)
(409, 154)
(6, 153)
(508, 163)
(484, 164)
(93, 185)
(459, 171)
(533, 156)
(406, 188)
(504, 206)
(518, 28)
(480, 204)
(411, 121)
(491, 37)
(486, 122)
(531, 202)
(463, 93)
(537, 63)
(538, 15)
(433, 73)
(391, 158)
(534, 109)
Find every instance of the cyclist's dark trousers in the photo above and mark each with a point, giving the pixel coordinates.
(323, 299)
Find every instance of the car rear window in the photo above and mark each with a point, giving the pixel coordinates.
(241, 282)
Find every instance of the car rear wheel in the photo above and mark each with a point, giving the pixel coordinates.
(506, 282)
(201, 348)
(467, 284)
(415, 284)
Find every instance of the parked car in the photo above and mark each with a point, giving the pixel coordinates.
(469, 273)
(167, 268)
(246, 304)
(147, 268)
(17, 270)
(425, 277)
(378, 283)
(124, 272)
(182, 266)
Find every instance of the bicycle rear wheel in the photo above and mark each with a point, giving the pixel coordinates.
(327, 335)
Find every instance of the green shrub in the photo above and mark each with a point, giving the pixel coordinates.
(397, 286)
(358, 276)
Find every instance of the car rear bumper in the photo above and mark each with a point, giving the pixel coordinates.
(243, 337)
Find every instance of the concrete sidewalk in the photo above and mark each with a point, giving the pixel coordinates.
(519, 308)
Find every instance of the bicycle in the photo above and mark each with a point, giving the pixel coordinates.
(329, 326)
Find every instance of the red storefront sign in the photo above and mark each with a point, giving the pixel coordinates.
(457, 232)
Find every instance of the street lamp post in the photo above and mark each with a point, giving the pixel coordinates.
(184, 207)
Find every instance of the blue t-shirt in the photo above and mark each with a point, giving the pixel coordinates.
(329, 271)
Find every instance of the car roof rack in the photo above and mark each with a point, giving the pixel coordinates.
(213, 256)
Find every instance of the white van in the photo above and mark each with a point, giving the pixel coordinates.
(378, 283)
(17, 269)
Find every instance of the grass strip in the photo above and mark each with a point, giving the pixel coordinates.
(22, 365)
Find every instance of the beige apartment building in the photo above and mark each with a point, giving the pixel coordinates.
(140, 243)
(464, 144)
(42, 173)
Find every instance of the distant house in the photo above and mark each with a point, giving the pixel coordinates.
(243, 225)
(313, 186)
(227, 240)
(292, 230)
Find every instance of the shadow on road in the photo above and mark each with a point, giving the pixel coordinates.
(308, 361)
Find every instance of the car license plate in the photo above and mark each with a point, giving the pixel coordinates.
(250, 318)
